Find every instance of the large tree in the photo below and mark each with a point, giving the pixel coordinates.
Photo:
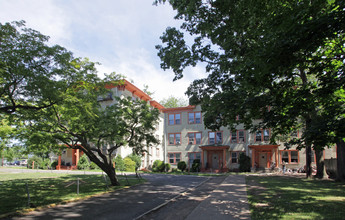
(82, 122)
(54, 100)
(5, 135)
(285, 55)
(31, 71)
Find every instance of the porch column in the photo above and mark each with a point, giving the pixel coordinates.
(224, 159)
(277, 157)
(269, 157)
(59, 163)
(77, 157)
(253, 157)
(202, 160)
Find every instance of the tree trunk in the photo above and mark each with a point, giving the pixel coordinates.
(106, 167)
(308, 161)
(110, 171)
(320, 164)
(341, 161)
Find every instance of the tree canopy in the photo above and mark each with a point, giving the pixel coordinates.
(32, 73)
(173, 102)
(56, 101)
(279, 61)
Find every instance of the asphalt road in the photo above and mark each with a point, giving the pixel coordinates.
(182, 206)
(129, 203)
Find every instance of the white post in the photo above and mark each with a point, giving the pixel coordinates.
(78, 186)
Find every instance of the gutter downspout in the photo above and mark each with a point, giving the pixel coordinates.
(164, 138)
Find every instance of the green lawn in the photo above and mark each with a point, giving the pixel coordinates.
(49, 188)
(284, 197)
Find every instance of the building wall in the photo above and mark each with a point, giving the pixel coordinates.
(185, 148)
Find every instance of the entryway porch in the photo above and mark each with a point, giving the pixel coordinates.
(262, 157)
(213, 159)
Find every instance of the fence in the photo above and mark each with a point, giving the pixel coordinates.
(32, 190)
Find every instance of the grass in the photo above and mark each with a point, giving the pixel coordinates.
(286, 197)
(49, 188)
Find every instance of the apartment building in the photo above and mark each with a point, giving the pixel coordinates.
(186, 139)
(183, 137)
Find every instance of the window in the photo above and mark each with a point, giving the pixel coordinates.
(174, 139)
(289, 156)
(175, 119)
(191, 139)
(157, 152)
(192, 156)
(194, 138)
(241, 136)
(174, 158)
(234, 157)
(258, 136)
(238, 136)
(294, 156)
(215, 137)
(266, 135)
(194, 117)
(285, 156)
(233, 137)
(262, 135)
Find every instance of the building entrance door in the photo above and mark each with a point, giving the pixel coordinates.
(215, 161)
(262, 160)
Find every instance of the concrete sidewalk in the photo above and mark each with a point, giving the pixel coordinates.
(228, 201)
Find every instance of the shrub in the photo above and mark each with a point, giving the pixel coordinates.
(45, 162)
(119, 164)
(93, 166)
(83, 163)
(174, 170)
(244, 162)
(37, 163)
(196, 165)
(182, 165)
(129, 164)
(167, 167)
(54, 164)
(158, 166)
(137, 160)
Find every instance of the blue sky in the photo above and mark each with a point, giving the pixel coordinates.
(120, 34)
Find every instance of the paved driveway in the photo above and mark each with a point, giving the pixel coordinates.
(125, 203)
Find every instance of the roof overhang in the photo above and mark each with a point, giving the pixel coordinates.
(178, 109)
(214, 147)
(264, 147)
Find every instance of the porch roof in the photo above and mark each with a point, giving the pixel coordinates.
(264, 147)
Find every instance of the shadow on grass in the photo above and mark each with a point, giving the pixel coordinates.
(51, 189)
(283, 197)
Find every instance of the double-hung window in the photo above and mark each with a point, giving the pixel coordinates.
(192, 156)
(289, 156)
(215, 137)
(234, 157)
(262, 135)
(194, 138)
(175, 119)
(238, 136)
(175, 139)
(174, 158)
(194, 118)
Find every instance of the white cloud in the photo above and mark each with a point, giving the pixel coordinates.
(41, 15)
(121, 35)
